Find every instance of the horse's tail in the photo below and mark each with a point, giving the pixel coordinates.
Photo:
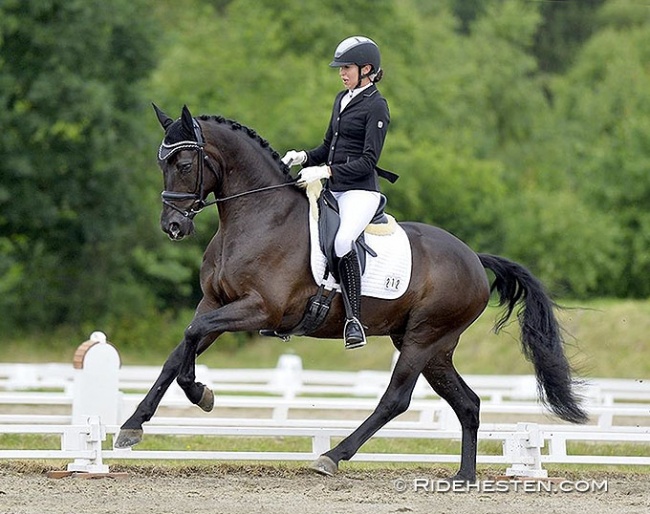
(541, 336)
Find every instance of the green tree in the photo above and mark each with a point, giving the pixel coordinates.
(70, 111)
(574, 249)
(566, 25)
(603, 105)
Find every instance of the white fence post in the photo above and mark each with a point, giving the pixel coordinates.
(89, 438)
(96, 400)
(287, 376)
(320, 444)
(523, 450)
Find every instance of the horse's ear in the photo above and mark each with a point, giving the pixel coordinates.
(187, 121)
(164, 120)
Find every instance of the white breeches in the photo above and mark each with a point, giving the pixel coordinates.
(356, 210)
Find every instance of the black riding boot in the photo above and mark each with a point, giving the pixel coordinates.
(350, 275)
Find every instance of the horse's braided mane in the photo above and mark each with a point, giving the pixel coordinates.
(235, 125)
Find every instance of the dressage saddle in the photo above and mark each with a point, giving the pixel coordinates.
(328, 224)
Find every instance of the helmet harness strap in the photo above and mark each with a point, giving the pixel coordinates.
(362, 75)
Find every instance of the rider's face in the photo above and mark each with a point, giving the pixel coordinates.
(349, 74)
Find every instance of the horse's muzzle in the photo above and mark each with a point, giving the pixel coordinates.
(174, 232)
(177, 227)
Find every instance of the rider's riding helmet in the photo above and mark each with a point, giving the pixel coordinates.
(358, 50)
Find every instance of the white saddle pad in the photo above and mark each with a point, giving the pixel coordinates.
(387, 276)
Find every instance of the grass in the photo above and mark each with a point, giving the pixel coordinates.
(605, 338)
(296, 444)
(303, 444)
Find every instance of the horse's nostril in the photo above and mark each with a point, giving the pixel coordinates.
(174, 230)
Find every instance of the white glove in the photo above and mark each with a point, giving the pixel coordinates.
(294, 158)
(312, 174)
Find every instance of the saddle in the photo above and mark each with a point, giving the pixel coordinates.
(324, 218)
(328, 225)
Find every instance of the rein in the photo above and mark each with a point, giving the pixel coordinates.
(170, 197)
(258, 190)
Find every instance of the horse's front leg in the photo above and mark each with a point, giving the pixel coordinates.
(196, 392)
(131, 430)
(243, 315)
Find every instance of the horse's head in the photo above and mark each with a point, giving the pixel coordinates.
(181, 159)
(231, 161)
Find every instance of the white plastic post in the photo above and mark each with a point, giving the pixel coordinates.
(287, 376)
(96, 391)
(96, 399)
(90, 439)
(524, 452)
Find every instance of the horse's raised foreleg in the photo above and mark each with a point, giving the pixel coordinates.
(245, 314)
(196, 392)
(395, 401)
(131, 431)
(445, 380)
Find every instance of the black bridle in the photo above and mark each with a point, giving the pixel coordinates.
(198, 197)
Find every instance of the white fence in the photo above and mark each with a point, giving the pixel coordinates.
(289, 401)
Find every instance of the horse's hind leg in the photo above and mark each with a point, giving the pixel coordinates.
(445, 380)
(413, 357)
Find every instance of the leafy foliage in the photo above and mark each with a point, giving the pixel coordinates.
(522, 127)
(69, 165)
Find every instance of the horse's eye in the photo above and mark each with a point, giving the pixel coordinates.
(184, 167)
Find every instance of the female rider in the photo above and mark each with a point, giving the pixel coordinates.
(347, 158)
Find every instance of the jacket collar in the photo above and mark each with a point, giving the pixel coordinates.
(367, 93)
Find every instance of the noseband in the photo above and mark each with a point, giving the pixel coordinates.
(169, 198)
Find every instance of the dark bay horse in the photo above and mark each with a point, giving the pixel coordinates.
(255, 275)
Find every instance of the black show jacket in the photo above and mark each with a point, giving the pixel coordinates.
(353, 141)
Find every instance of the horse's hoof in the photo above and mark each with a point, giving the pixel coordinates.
(323, 465)
(207, 399)
(128, 437)
(458, 479)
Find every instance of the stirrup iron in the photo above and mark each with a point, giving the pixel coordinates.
(354, 335)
